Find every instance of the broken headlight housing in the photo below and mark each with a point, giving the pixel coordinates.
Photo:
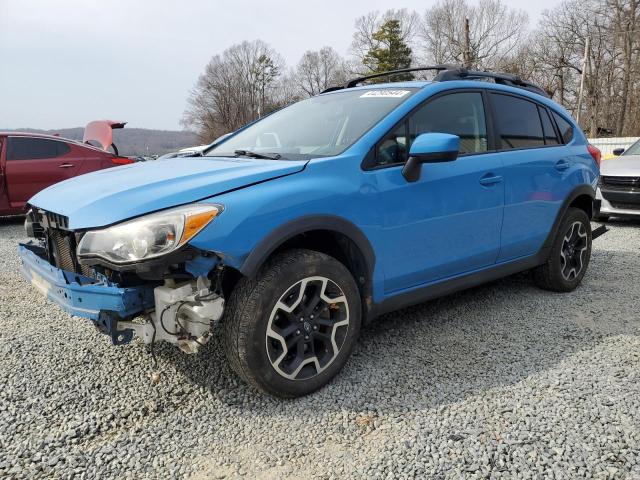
(148, 236)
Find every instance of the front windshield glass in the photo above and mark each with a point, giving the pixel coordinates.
(633, 149)
(321, 126)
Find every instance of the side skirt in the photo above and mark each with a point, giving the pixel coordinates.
(431, 291)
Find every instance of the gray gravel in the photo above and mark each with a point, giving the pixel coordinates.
(501, 381)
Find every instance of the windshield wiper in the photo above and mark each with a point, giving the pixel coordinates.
(250, 154)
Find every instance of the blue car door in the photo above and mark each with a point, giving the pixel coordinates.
(448, 222)
(535, 168)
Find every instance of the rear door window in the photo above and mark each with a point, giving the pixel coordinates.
(550, 136)
(565, 128)
(63, 148)
(31, 148)
(517, 122)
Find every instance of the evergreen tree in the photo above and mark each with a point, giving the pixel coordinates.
(390, 53)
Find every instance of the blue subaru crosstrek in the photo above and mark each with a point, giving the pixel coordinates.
(287, 235)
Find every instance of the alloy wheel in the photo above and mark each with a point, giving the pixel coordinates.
(574, 248)
(307, 328)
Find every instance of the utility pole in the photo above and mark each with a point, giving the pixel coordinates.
(466, 57)
(582, 77)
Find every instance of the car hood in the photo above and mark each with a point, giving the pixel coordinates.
(626, 165)
(115, 194)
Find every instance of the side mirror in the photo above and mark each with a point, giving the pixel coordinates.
(430, 148)
(618, 151)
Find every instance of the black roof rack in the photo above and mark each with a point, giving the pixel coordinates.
(452, 72)
(500, 78)
(352, 83)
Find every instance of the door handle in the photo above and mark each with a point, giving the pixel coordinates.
(65, 165)
(490, 179)
(562, 165)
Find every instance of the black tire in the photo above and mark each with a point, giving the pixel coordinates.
(560, 273)
(254, 309)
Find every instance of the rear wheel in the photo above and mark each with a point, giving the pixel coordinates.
(570, 254)
(290, 329)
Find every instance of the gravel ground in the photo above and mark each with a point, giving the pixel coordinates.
(501, 381)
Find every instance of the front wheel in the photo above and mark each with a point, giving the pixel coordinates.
(290, 329)
(570, 254)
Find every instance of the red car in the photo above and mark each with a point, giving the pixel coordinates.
(30, 162)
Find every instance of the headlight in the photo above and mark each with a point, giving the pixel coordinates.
(148, 236)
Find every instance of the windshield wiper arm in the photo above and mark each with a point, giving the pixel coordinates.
(250, 154)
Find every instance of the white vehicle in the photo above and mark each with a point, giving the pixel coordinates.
(197, 149)
(618, 192)
(193, 151)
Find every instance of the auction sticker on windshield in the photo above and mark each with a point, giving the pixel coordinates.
(385, 93)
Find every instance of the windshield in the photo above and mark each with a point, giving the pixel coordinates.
(633, 149)
(321, 126)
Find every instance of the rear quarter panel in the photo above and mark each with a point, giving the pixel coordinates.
(91, 160)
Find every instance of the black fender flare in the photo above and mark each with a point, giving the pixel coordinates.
(307, 223)
(575, 193)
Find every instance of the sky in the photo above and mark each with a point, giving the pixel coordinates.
(64, 63)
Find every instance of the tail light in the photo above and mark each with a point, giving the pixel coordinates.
(595, 153)
(121, 161)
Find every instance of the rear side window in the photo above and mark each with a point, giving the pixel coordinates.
(550, 137)
(517, 121)
(566, 130)
(63, 148)
(30, 148)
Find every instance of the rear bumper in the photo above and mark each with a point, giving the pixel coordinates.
(98, 300)
(617, 203)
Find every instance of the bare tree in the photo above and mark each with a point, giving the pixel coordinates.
(626, 33)
(250, 79)
(494, 32)
(235, 88)
(286, 90)
(319, 70)
(609, 71)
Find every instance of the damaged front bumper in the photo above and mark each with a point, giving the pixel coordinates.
(99, 300)
(181, 314)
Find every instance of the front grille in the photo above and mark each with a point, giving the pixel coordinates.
(50, 219)
(621, 192)
(60, 241)
(621, 181)
(626, 206)
(57, 220)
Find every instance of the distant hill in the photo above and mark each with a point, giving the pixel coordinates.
(134, 141)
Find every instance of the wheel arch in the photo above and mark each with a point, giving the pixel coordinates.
(584, 202)
(329, 234)
(580, 197)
